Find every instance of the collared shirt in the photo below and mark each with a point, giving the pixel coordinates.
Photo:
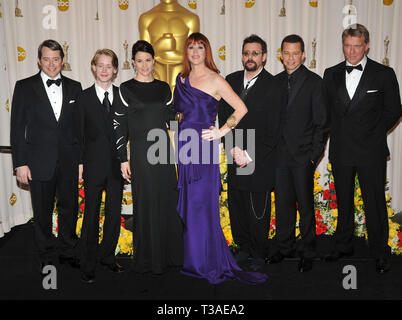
(353, 78)
(253, 80)
(54, 93)
(100, 92)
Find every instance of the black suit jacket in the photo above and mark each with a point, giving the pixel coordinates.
(257, 118)
(38, 140)
(358, 133)
(97, 137)
(303, 116)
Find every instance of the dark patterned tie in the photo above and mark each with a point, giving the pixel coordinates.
(106, 102)
(244, 92)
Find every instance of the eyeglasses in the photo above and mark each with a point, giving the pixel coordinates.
(107, 67)
(252, 53)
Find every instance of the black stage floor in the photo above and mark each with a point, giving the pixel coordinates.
(19, 280)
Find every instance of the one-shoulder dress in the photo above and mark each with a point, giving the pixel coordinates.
(206, 253)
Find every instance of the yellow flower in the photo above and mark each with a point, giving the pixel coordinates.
(390, 211)
(316, 175)
(224, 196)
(329, 166)
(79, 225)
(317, 188)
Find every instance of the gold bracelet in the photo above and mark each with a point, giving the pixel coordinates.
(179, 117)
(231, 122)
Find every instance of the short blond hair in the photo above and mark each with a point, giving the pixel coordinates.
(109, 53)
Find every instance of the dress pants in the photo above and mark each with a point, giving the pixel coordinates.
(294, 190)
(89, 242)
(250, 216)
(372, 184)
(43, 194)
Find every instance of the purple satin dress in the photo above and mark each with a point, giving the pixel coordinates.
(206, 253)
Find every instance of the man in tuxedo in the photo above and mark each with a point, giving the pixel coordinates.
(299, 96)
(249, 193)
(100, 167)
(45, 151)
(364, 104)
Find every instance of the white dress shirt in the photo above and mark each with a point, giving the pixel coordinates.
(253, 80)
(54, 93)
(100, 92)
(353, 78)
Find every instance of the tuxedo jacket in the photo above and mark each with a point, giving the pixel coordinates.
(303, 121)
(97, 137)
(258, 118)
(358, 131)
(38, 140)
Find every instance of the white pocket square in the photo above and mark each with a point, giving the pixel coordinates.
(372, 91)
(72, 101)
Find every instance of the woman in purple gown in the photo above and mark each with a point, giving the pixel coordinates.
(198, 89)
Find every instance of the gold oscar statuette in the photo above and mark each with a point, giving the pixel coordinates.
(97, 10)
(66, 66)
(385, 61)
(126, 64)
(18, 12)
(313, 62)
(223, 7)
(167, 26)
(282, 13)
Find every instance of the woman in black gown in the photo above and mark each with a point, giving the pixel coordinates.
(157, 228)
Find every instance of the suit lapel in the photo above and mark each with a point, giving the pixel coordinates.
(66, 90)
(340, 84)
(41, 92)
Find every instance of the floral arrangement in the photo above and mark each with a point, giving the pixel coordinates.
(125, 242)
(326, 212)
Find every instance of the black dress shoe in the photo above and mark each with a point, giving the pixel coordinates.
(241, 256)
(305, 264)
(87, 277)
(276, 258)
(72, 261)
(113, 267)
(336, 255)
(382, 265)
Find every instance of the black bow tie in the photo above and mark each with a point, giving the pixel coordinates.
(57, 82)
(349, 69)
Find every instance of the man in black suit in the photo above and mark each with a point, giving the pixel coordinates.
(364, 104)
(45, 150)
(100, 168)
(249, 192)
(302, 137)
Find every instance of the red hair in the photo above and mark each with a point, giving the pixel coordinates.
(196, 38)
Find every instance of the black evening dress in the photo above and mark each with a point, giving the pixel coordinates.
(157, 227)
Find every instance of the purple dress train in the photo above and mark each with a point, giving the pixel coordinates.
(206, 253)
